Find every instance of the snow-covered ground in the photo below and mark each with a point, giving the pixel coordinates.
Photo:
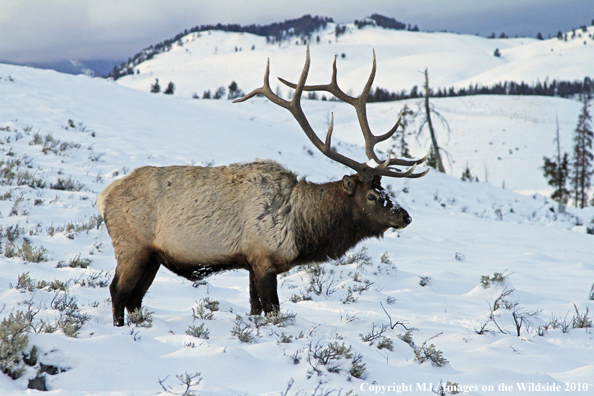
(461, 232)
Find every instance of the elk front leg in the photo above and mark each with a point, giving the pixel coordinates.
(266, 287)
(256, 306)
(263, 294)
(134, 301)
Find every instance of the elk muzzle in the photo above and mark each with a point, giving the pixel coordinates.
(401, 218)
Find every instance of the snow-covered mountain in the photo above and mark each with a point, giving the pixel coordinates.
(494, 286)
(89, 67)
(207, 60)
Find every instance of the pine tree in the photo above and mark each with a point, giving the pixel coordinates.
(557, 177)
(467, 176)
(219, 93)
(557, 173)
(582, 156)
(234, 91)
(155, 87)
(170, 88)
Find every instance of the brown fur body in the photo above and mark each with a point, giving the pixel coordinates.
(256, 216)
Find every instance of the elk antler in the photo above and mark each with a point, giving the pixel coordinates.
(294, 106)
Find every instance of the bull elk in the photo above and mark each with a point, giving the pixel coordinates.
(255, 216)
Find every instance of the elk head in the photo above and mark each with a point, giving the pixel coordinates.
(371, 199)
(373, 206)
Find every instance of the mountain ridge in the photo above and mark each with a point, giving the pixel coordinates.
(456, 62)
(301, 28)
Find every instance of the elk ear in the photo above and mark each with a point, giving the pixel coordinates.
(349, 185)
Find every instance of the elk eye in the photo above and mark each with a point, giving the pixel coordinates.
(371, 197)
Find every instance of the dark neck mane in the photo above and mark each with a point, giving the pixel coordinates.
(323, 222)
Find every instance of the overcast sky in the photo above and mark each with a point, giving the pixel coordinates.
(47, 30)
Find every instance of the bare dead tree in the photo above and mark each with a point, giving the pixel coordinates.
(435, 156)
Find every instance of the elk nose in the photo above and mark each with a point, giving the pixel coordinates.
(406, 218)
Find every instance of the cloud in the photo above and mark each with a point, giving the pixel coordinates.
(115, 29)
(84, 29)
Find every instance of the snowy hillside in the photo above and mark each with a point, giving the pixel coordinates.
(430, 296)
(520, 130)
(207, 60)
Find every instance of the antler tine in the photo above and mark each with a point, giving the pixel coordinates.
(365, 93)
(389, 134)
(403, 162)
(330, 129)
(392, 171)
(266, 91)
(408, 174)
